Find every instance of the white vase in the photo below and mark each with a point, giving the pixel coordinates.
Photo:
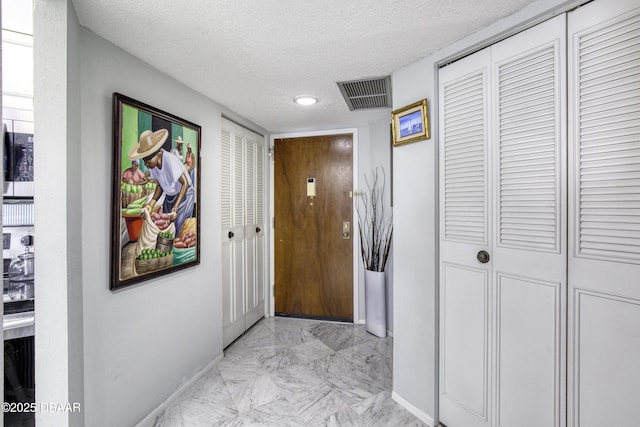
(375, 302)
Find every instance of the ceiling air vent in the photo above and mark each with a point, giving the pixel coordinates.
(366, 94)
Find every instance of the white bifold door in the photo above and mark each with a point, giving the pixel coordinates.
(503, 227)
(604, 203)
(540, 225)
(243, 236)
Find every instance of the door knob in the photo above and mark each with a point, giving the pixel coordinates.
(257, 229)
(231, 234)
(483, 257)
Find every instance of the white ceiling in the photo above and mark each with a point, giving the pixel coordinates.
(254, 57)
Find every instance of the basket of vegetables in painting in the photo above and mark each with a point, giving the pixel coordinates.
(165, 241)
(184, 246)
(152, 259)
(153, 249)
(131, 214)
(133, 192)
(134, 207)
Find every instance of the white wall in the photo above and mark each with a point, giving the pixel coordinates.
(143, 342)
(414, 208)
(378, 153)
(58, 247)
(415, 218)
(140, 343)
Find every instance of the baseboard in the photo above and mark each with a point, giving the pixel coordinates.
(422, 416)
(150, 419)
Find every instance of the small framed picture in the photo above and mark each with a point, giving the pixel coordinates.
(410, 123)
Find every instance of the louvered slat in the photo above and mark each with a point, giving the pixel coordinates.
(225, 171)
(528, 152)
(238, 182)
(465, 205)
(609, 142)
(250, 210)
(260, 183)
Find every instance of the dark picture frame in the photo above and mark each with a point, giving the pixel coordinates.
(411, 123)
(155, 216)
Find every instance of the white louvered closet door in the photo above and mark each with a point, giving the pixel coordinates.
(233, 293)
(254, 227)
(243, 242)
(503, 215)
(227, 255)
(604, 202)
(530, 256)
(465, 338)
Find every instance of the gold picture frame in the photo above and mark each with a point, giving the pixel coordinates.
(410, 124)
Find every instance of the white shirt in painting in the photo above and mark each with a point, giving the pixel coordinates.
(168, 176)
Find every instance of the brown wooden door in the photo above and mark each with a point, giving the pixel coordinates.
(313, 260)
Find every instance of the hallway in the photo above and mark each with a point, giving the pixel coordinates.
(295, 372)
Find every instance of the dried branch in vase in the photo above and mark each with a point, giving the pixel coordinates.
(375, 228)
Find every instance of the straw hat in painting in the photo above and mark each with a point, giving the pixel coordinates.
(149, 143)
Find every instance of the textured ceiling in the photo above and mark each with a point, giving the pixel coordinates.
(254, 57)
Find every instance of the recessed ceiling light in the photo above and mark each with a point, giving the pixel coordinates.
(305, 100)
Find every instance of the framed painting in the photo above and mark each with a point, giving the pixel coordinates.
(155, 206)
(410, 123)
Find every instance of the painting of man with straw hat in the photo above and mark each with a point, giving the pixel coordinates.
(156, 230)
(174, 181)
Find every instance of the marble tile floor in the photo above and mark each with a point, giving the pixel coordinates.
(295, 372)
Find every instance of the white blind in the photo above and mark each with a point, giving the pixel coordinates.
(609, 141)
(465, 198)
(528, 152)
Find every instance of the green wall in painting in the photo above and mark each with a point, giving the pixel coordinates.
(129, 133)
(135, 121)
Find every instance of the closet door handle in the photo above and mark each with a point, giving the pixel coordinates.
(483, 257)
(258, 229)
(231, 234)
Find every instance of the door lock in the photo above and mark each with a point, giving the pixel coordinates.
(346, 230)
